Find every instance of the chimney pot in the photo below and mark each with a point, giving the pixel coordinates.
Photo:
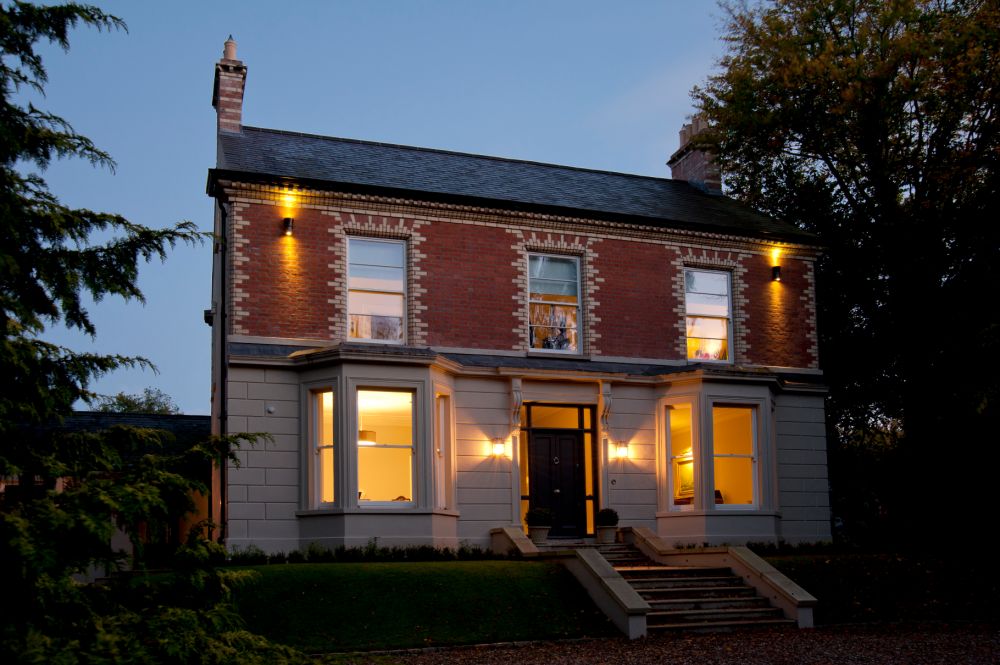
(229, 49)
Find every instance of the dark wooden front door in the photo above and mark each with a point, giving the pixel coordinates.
(556, 479)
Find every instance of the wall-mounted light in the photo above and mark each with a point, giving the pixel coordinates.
(499, 448)
(618, 449)
(289, 222)
(775, 265)
(366, 437)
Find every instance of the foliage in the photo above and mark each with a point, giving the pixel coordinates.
(921, 584)
(315, 553)
(152, 400)
(875, 125)
(538, 517)
(606, 517)
(363, 606)
(65, 493)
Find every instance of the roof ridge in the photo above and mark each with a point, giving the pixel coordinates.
(459, 153)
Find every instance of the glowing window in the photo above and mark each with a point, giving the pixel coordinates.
(681, 453)
(734, 451)
(554, 302)
(376, 282)
(385, 446)
(709, 313)
(323, 436)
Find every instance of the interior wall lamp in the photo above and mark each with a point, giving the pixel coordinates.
(775, 265)
(366, 437)
(289, 222)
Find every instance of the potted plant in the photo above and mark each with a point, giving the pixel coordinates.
(539, 521)
(607, 525)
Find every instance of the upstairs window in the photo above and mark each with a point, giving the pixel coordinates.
(709, 312)
(554, 302)
(376, 283)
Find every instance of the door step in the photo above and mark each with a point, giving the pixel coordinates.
(693, 598)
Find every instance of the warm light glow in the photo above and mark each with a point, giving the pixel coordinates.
(499, 448)
(775, 256)
(618, 449)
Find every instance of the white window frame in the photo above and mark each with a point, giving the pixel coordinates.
(316, 486)
(404, 292)
(668, 406)
(415, 487)
(754, 455)
(730, 350)
(579, 304)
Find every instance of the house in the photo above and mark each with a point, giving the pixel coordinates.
(436, 341)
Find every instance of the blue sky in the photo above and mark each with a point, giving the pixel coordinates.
(592, 84)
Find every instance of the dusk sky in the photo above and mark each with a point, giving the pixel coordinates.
(583, 83)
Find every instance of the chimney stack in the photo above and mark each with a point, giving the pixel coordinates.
(693, 164)
(227, 94)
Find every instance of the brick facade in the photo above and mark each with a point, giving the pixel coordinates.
(467, 280)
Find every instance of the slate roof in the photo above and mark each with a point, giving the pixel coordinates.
(423, 173)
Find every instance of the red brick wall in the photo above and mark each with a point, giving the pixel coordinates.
(469, 287)
(288, 275)
(778, 321)
(636, 310)
(464, 289)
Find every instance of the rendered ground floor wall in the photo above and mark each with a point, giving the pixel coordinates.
(271, 504)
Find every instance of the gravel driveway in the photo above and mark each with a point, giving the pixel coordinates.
(952, 645)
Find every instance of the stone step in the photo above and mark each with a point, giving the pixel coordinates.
(661, 571)
(680, 582)
(723, 626)
(713, 615)
(708, 603)
(655, 593)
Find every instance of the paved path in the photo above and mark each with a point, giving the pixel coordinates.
(907, 645)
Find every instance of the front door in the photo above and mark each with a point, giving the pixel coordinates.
(557, 479)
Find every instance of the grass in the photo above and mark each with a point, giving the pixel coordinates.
(336, 607)
(862, 587)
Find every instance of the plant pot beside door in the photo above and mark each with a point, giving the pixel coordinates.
(539, 521)
(607, 526)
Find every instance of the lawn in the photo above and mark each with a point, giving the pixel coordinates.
(322, 608)
(861, 587)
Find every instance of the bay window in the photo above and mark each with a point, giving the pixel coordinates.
(734, 455)
(554, 302)
(385, 446)
(708, 307)
(376, 283)
(323, 444)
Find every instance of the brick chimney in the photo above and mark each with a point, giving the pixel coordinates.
(692, 164)
(227, 94)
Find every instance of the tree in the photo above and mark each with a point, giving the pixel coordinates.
(65, 492)
(152, 400)
(876, 125)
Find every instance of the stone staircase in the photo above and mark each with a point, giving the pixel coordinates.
(691, 598)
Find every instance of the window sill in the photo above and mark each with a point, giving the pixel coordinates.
(544, 353)
(388, 510)
(726, 512)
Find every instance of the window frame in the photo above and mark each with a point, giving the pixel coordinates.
(415, 489)
(315, 489)
(730, 349)
(579, 303)
(667, 407)
(754, 454)
(404, 292)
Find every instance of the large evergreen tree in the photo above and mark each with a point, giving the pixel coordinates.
(875, 124)
(63, 493)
